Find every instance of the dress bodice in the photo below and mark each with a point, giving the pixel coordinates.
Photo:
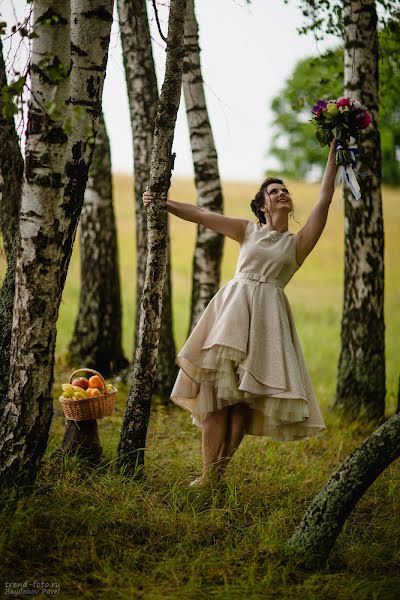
(269, 254)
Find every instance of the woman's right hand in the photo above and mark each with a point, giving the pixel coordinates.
(146, 197)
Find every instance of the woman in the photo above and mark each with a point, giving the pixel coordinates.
(242, 369)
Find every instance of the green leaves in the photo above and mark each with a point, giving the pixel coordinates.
(9, 94)
(52, 68)
(325, 17)
(322, 77)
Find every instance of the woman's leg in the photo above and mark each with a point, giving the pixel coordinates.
(214, 429)
(238, 419)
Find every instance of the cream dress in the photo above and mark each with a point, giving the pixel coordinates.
(245, 346)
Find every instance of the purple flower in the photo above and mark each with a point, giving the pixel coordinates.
(320, 107)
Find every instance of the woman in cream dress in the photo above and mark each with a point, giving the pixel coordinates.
(242, 368)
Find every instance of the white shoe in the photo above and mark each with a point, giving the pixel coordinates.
(199, 482)
(207, 479)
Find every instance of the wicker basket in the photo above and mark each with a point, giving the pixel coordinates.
(89, 409)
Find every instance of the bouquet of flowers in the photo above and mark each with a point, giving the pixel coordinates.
(343, 119)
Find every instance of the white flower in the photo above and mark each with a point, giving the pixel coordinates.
(355, 103)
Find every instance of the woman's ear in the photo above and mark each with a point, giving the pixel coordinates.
(265, 208)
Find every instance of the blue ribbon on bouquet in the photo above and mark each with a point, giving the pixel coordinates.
(346, 174)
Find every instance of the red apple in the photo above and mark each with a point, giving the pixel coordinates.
(81, 382)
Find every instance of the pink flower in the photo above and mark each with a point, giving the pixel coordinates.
(342, 101)
(363, 119)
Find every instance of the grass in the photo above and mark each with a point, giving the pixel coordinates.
(99, 535)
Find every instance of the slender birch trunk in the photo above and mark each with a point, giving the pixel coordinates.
(55, 178)
(90, 38)
(11, 170)
(96, 341)
(209, 245)
(26, 412)
(324, 519)
(134, 428)
(143, 98)
(361, 371)
(11, 177)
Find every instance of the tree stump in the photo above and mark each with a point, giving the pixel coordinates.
(82, 439)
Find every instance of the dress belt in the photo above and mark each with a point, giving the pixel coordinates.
(260, 278)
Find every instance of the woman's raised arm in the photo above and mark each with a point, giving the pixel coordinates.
(232, 227)
(309, 235)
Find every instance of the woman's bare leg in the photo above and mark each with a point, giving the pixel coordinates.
(238, 419)
(214, 428)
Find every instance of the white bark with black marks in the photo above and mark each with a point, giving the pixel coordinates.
(143, 99)
(96, 341)
(324, 519)
(27, 410)
(91, 22)
(209, 245)
(56, 175)
(361, 372)
(134, 428)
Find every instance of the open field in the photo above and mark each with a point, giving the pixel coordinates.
(98, 535)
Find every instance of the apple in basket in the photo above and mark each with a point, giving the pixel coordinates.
(81, 382)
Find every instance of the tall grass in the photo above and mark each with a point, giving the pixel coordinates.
(100, 535)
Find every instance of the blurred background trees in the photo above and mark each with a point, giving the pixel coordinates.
(294, 146)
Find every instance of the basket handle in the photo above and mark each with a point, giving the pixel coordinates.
(90, 371)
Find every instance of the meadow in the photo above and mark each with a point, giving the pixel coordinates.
(92, 533)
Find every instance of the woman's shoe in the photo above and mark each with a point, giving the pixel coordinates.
(207, 479)
(199, 482)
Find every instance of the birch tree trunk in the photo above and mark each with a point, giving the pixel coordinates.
(55, 178)
(11, 175)
(90, 38)
(209, 245)
(324, 519)
(143, 98)
(11, 170)
(361, 371)
(96, 340)
(26, 412)
(134, 429)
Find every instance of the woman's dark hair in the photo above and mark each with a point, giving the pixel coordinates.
(258, 202)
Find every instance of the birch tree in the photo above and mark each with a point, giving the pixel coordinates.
(55, 177)
(209, 245)
(26, 413)
(90, 37)
(96, 341)
(361, 386)
(134, 429)
(143, 98)
(327, 513)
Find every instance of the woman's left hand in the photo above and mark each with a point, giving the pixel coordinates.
(146, 197)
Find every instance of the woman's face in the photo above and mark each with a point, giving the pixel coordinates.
(277, 199)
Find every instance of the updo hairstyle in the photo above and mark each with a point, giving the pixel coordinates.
(258, 202)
